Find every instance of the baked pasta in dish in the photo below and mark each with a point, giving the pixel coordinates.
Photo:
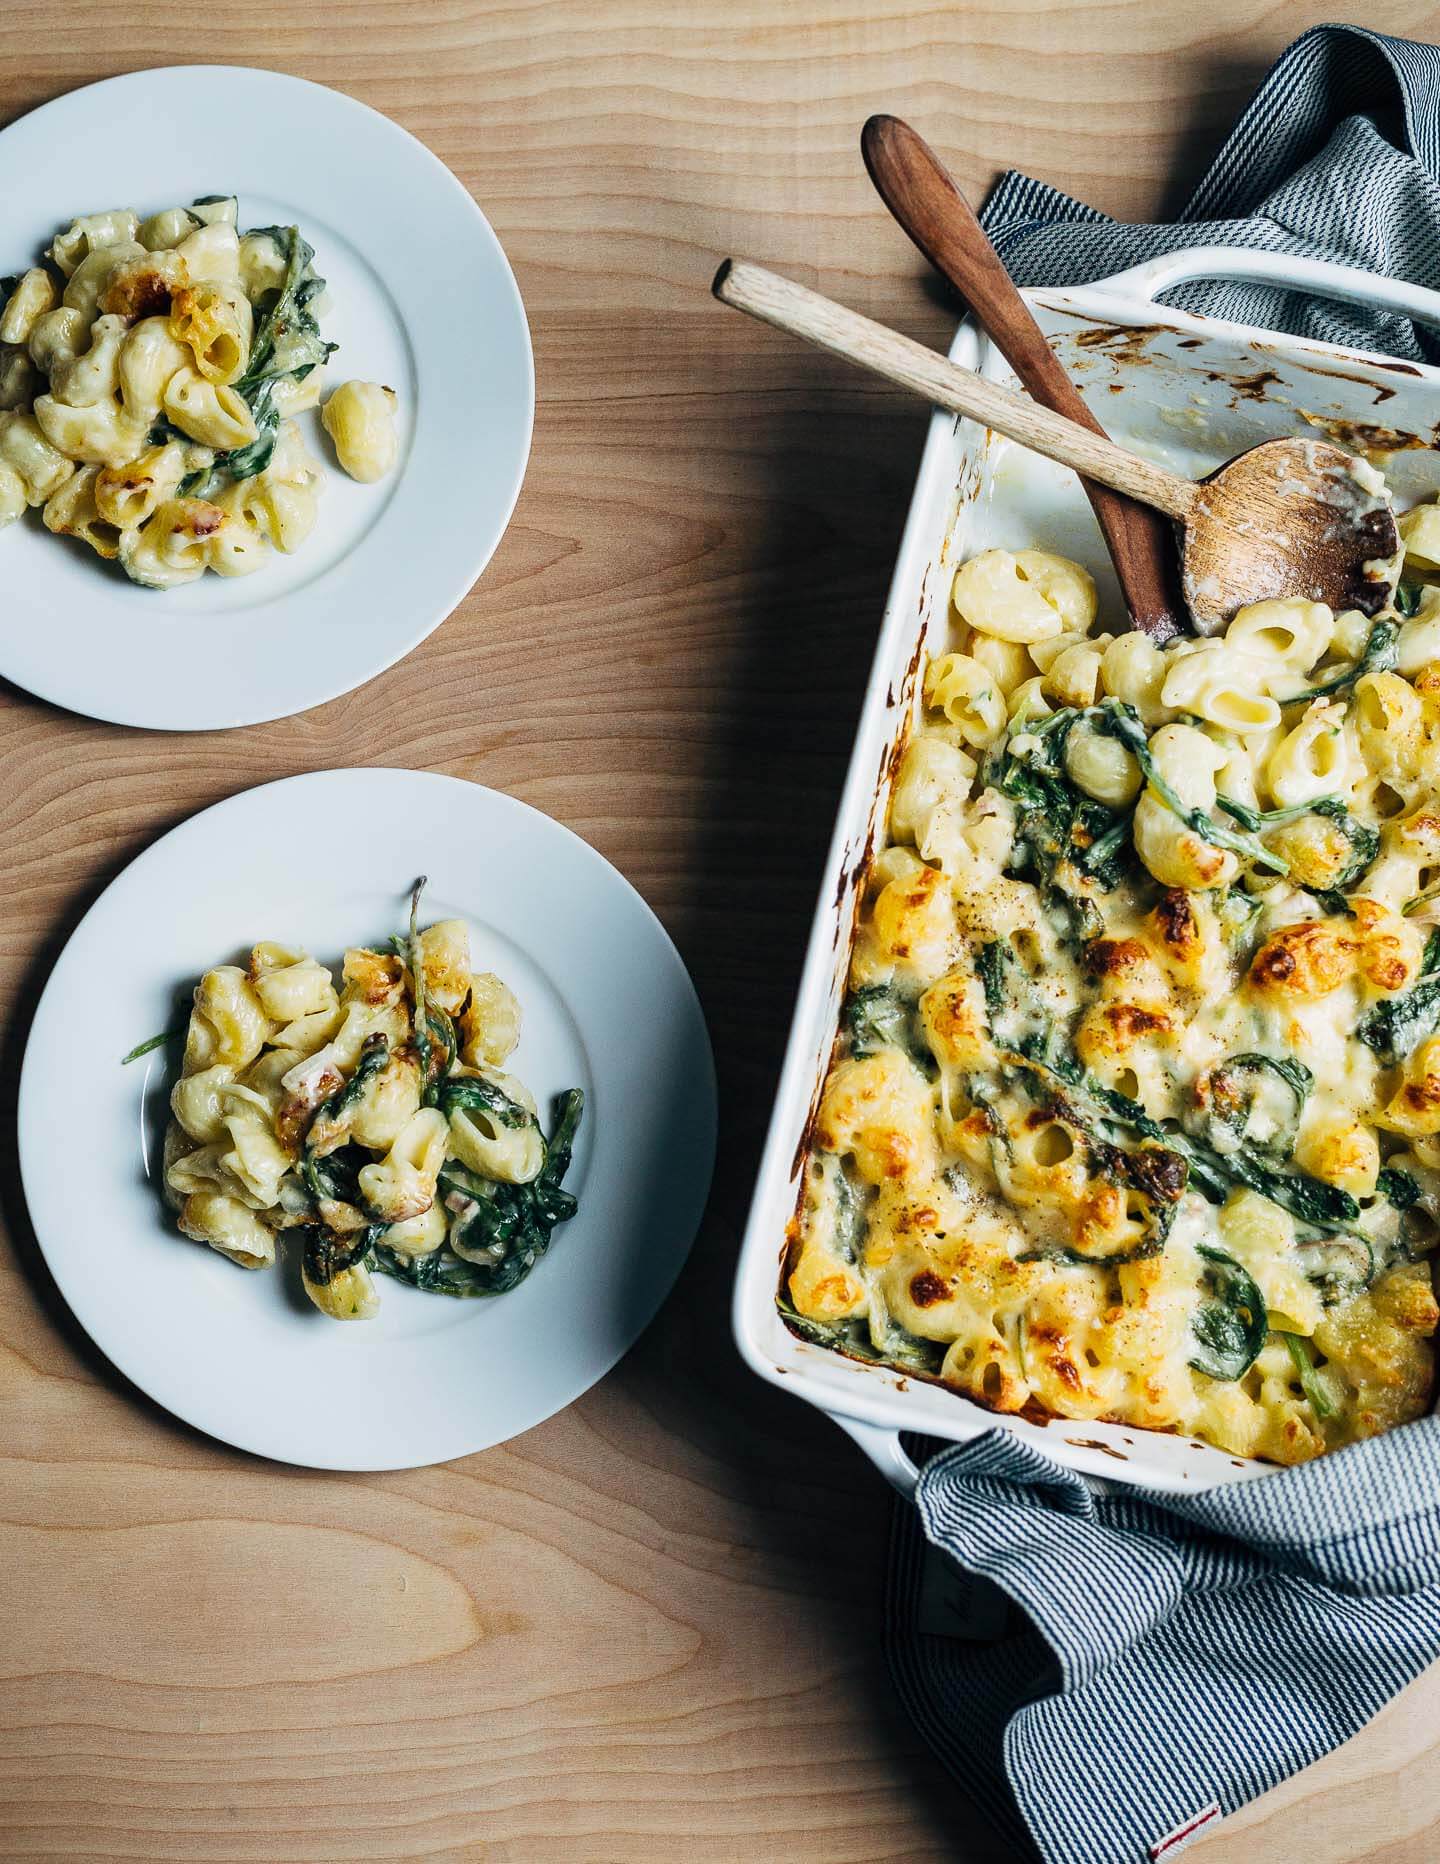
(150, 373)
(1134, 1113)
(373, 1125)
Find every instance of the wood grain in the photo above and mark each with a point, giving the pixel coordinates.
(649, 1628)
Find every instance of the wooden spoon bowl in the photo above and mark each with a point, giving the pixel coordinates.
(1292, 517)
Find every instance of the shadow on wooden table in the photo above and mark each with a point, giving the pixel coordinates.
(829, 462)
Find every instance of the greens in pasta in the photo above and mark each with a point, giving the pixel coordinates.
(151, 376)
(1134, 1111)
(374, 1125)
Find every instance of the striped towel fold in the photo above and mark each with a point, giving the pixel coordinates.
(1336, 157)
(1164, 1658)
(1110, 1675)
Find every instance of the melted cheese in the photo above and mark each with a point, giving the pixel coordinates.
(1044, 1157)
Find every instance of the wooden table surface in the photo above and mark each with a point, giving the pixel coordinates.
(649, 1628)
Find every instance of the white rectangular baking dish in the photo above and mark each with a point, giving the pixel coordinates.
(1190, 392)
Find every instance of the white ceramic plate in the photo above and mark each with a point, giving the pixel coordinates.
(327, 861)
(421, 297)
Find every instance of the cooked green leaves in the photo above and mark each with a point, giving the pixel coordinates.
(1121, 721)
(1211, 1171)
(154, 1042)
(1339, 1266)
(287, 339)
(498, 1232)
(901, 1349)
(325, 1252)
(1407, 597)
(1230, 1328)
(1396, 1025)
(1256, 1099)
(879, 1016)
(1068, 837)
(876, 1016)
(1380, 653)
(1401, 1187)
(286, 345)
(1320, 1401)
(474, 1094)
(1310, 1200)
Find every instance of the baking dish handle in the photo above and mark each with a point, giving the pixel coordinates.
(1289, 271)
(885, 1451)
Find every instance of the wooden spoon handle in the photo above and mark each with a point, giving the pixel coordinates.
(917, 188)
(830, 326)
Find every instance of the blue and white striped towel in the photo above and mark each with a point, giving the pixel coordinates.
(1337, 156)
(1134, 1669)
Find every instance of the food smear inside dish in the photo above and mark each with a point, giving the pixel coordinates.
(374, 1126)
(1134, 1112)
(150, 376)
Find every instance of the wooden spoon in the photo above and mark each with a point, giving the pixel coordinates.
(917, 188)
(1286, 518)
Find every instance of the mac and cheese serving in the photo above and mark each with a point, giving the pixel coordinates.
(150, 376)
(374, 1125)
(1135, 1109)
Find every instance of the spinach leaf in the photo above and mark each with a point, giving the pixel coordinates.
(1066, 835)
(1321, 1403)
(1234, 1093)
(177, 1034)
(1230, 1330)
(1321, 1205)
(440, 1272)
(1103, 859)
(1017, 1013)
(903, 1350)
(327, 1123)
(1407, 598)
(285, 345)
(876, 1016)
(442, 1046)
(420, 1022)
(286, 338)
(1239, 911)
(879, 1016)
(1121, 721)
(1340, 1266)
(1364, 841)
(1156, 1170)
(502, 1230)
(474, 1094)
(990, 967)
(1399, 1024)
(1401, 1187)
(325, 1252)
(851, 1215)
(334, 1176)
(1256, 819)
(1379, 656)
